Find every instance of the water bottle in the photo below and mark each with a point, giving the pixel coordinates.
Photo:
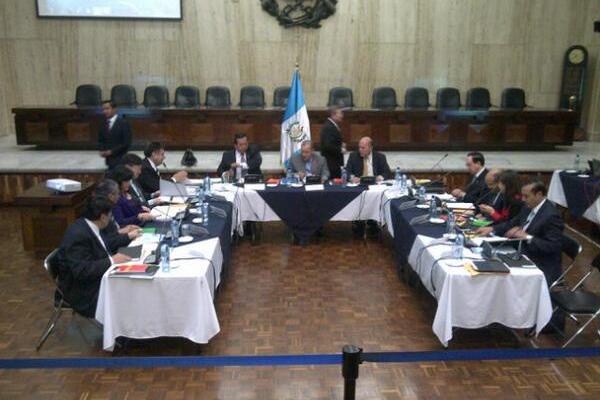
(577, 164)
(457, 247)
(165, 255)
(205, 212)
(174, 232)
(432, 208)
(403, 183)
(450, 224)
(207, 184)
(398, 179)
(344, 176)
(422, 191)
(289, 177)
(199, 194)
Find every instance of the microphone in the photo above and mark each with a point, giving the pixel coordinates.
(439, 162)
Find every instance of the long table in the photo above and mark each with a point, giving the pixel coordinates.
(204, 129)
(577, 192)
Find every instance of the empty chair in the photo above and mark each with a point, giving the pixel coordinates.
(416, 97)
(252, 97)
(447, 98)
(156, 97)
(513, 98)
(570, 248)
(218, 96)
(123, 96)
(88, 96)
(280, 96)
(478, 98)
(187, 97)
(384, 97)
(340, 97)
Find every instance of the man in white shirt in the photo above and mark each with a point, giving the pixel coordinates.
(477, 188)
(114, 136)
(243, 159)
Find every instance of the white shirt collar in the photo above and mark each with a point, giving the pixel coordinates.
(479, 173)
(537, 208)
(152, 164)
(111, 121)
(334, 123)
(96, 231)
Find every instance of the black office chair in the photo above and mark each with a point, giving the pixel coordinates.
(577, 302)
(570, 248)
(280, 96)
(513, 99)
(123, 96)
(252, 97)
(340, 97)
(384, 98)
(478, 98)
(447, 98)
(218, 97)
(88, 96)
(156, 97)
(416, 97)
(187, 97)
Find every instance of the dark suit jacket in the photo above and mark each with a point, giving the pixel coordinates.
(113, 239)
(136, 191)
(331, 148)
(380, 165)
(545, 247)
(149, 179)
(476, 189)
(118, 140)
(253, 159)
(81, 262)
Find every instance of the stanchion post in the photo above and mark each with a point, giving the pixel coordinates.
(351, 359)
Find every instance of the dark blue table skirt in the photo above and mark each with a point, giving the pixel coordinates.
(580, 193)
(305, 212)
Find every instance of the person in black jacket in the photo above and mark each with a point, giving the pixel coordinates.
(367, 162)
(83, 257)
(332, 146)
(114, 136)
(243, 159)
(134, 163)
(149, 179)
(477, 188)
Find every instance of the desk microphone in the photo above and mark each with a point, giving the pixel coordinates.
(439, 162)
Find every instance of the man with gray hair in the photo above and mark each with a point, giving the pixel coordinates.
(308, 163)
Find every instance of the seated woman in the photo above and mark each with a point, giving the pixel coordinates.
(509, 184)
(128, 210)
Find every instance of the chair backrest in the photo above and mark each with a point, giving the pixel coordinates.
(51, 264)
(570, 247)
(280, 96)
(384, 98)
(252, 97)
(218, 96)
(88, 96)
(513, 98)
(123, 96)
(478, 98)
(340, 97)
(156, 96)
(416, 97)
(187, 97)
(447, 98)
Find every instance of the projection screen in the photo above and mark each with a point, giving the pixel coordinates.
(144, 9)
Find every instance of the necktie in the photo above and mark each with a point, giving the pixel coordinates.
(528, 220)
(365, 167)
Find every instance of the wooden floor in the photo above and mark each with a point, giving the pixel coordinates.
(282, 299)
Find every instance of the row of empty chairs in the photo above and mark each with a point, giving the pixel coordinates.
(447, 98)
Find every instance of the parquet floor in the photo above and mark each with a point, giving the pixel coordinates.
(281, 299)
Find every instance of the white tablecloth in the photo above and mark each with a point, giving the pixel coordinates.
(556, 194)
(178, 303)
(518, 300)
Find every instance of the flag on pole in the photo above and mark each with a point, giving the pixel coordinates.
(295, 127)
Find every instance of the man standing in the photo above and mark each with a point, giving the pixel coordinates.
(149, 179)
(332, 145)
(477, 188)
(308, 163)
(242, 160)
(368, 162)
(114, 136)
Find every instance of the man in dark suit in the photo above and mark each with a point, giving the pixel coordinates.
(134, 163)
(149, 179)
(83, 257)
(367, 162)
(307, 162)
(477, 188)
(243, 159)
(332, 146)
(114, 137)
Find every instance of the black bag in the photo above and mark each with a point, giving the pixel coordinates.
(188, 159)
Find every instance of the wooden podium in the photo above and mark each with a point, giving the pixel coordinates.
(45, 215)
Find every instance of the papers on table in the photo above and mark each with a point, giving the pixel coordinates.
(170, 211)
(312, 188)
(492, 239)
(460, 206)
(169, 188)
(255, 186)
(172, 199)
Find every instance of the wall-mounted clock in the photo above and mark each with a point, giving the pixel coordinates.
(573, 78)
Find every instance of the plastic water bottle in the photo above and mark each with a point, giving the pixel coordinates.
(199, 194)
(398, 179)
(451, 223)
(344, 176)
(432, 208)
(458, 246)
(174, 232)
(205, 212)
(403, 183)
(422, 191)
(577, 164)
(289, 177)
(165, 255)
(207, 184)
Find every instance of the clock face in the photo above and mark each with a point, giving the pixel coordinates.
(576, 56)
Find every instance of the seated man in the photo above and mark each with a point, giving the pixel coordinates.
(83, 257)
(541, 225)
(134, 163)
(308, 163)
(149, 179)
(242, 160)
(367, 162)
(476, 189)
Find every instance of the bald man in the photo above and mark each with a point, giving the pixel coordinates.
(367, 162)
